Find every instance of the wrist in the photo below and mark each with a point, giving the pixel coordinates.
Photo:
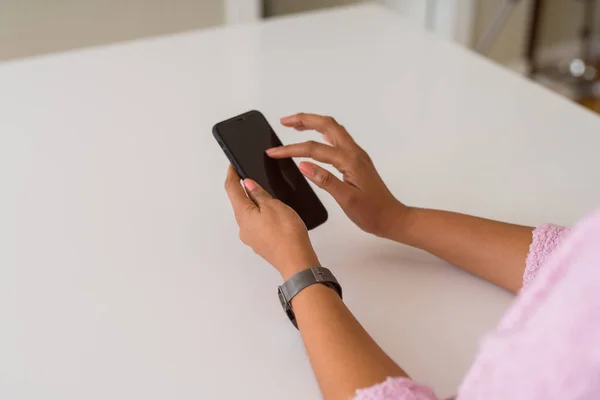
(398, 222)
(296, 262)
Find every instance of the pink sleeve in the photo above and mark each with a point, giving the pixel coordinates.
(546, 238)
(546, 345)
(396, 389)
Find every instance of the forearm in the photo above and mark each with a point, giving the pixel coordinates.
(492, 250)
(343, 355)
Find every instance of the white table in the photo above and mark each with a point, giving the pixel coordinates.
(121, 273)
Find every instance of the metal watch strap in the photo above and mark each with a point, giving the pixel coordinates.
(302, 280)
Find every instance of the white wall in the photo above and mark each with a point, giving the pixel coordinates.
(32, 27)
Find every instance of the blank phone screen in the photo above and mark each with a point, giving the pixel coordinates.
(246, 138)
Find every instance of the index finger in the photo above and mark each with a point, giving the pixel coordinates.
(328, 126)
(237, 196)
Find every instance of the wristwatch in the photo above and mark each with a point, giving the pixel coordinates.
(301, 280)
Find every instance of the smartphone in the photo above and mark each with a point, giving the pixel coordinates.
(244, 139)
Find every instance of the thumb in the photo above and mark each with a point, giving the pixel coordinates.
(256, 193)
(325, 180)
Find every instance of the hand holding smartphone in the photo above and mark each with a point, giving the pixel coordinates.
(244, 139)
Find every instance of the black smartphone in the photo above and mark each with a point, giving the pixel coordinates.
(244, 140)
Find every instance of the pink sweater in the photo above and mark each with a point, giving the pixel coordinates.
(547, 346)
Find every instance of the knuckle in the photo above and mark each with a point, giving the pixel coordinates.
(330, 121)
(260, 198)
(311, 146)
(354, 160)
(350, 200)
(358, 159)
(364, 156)
(325, 179)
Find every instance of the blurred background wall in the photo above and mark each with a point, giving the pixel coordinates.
(282, 7)
(559, 28)
(32, 27)
(511, 41)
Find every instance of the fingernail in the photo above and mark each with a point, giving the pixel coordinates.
(286, 119)
(306, 169)
(250, 184)
(272, 150)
